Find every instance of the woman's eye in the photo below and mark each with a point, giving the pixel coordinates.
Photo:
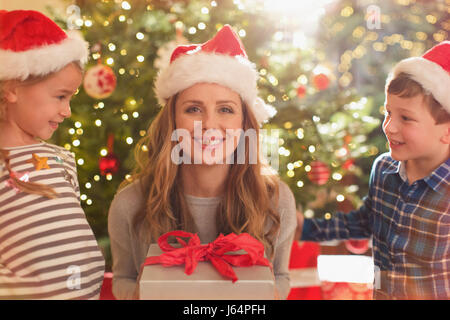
(61, 97)
(226, 110)
(406, 118)
(193, 109)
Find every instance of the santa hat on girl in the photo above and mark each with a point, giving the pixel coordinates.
(221, 60)
(431, 71)
(33, 45)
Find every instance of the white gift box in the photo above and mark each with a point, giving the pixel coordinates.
(205, 283)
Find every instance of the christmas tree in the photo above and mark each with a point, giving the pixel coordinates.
(365, 39)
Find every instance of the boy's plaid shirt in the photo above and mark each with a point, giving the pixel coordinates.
(410, 226)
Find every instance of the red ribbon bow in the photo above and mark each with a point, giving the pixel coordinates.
(192, 252)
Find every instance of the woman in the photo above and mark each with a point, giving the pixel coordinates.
(193, 168)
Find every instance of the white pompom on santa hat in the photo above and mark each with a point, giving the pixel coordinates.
(33, 45)
(431, 71)
(221, 60)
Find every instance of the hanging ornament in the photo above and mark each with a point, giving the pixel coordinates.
(347, 139)
(357, 246)
(109, 163)
(301, 91)
(321, 81)
(319, 172)
(348, 164)
(99, 81)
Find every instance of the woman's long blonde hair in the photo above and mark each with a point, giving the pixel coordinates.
(250, 198)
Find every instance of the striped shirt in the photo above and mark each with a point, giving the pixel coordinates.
(47, 248)
(410, 226)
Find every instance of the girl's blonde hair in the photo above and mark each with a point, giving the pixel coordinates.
(28, 187)
(249, 201)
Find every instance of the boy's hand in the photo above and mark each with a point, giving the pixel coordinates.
(298, 232)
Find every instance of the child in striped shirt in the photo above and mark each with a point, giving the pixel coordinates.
(47, 248)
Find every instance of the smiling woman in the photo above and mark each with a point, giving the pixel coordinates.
(209, 196)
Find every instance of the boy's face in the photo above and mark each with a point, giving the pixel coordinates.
(412, 132)
(37, 109)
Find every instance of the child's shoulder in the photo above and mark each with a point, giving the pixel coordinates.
(60, 150)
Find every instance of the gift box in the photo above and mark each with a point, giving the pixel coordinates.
(305, 283)
(159, 282)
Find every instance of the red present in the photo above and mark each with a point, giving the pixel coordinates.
(304, 255)
(230, 267)
(305, 283)
(106, 290)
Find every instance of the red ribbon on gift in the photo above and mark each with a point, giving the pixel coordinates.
(193, 251)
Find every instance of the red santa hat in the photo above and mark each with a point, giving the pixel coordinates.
(221, 60)
(431, 71)
(33, 45)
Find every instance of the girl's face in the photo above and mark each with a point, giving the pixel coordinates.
(213, 117)
(36, 110)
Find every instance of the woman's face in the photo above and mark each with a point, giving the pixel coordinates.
(213, 117)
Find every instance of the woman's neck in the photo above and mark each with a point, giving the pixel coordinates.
(203, 180)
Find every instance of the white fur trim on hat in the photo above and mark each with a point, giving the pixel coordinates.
(432, 77)
(43, 60)
(236, 73)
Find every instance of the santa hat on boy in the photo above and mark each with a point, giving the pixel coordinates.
(221, 60)
(33, 45)
(431, 71)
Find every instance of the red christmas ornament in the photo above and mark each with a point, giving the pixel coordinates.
(110, 163)
(348, 164)
(301, 91)
(347, 139)
(357, 246)
(99, 81)
(321, 81)
(319, 173)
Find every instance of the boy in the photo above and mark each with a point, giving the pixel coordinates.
(407, 210)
